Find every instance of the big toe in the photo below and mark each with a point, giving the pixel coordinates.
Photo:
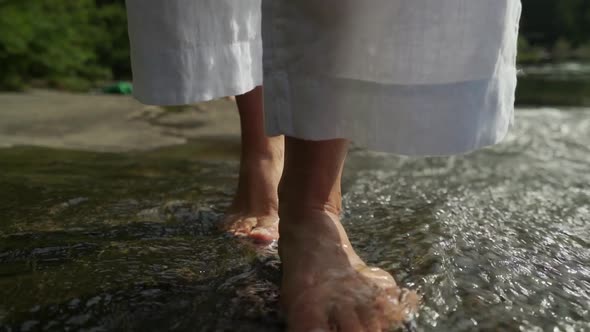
(264, 234)
(308, 319)
(244, 226)
(238, 225)
(396, 308)
(259, 229)
(346, 319)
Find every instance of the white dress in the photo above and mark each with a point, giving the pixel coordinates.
(186, 51)
(419, 77)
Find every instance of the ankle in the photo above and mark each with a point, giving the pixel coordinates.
(302, 194)
(255, 202)
(303, 211)
(312, 235)
(263, 148)
(299, 200)
(263, 154)
(313, 227)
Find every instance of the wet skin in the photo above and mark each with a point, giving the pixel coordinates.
(325, 286)
(254, 212)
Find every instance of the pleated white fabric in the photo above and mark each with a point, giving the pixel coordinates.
(419, 77)
(186, 51)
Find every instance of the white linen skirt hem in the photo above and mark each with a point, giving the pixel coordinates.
(190, 75)
(411, 120)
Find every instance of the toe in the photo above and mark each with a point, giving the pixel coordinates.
(347, 320)
(244, 226)
(264, 235)
(228, 222)
(379, 277)
(395, 307)
(307, 318)
(369, 319)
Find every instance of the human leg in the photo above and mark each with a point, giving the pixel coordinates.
(254, 211)
(326, 286)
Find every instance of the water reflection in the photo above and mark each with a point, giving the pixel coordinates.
(565, 84)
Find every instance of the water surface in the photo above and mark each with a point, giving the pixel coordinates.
(495, 241)
(566, 84)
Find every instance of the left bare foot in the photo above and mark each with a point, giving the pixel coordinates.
(260, 229)
(254, 211)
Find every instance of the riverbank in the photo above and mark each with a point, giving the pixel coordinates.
(108, 123)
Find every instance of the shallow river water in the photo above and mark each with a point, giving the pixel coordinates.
(495, 241)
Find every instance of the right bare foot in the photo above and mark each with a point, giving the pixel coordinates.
(327, 287)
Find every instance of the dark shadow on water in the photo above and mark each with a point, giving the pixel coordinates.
(177, 273)
(244, 298)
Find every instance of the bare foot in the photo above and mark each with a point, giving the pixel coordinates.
(327, 287)
(254, 211)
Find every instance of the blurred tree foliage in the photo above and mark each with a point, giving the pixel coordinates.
(76, 44)
(66, 44)
(555, 30)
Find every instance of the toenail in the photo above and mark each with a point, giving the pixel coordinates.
(318, 330)
(261, 231)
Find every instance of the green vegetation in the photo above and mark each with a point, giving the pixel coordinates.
(555, 31)
(79, 44)
(62, 43)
